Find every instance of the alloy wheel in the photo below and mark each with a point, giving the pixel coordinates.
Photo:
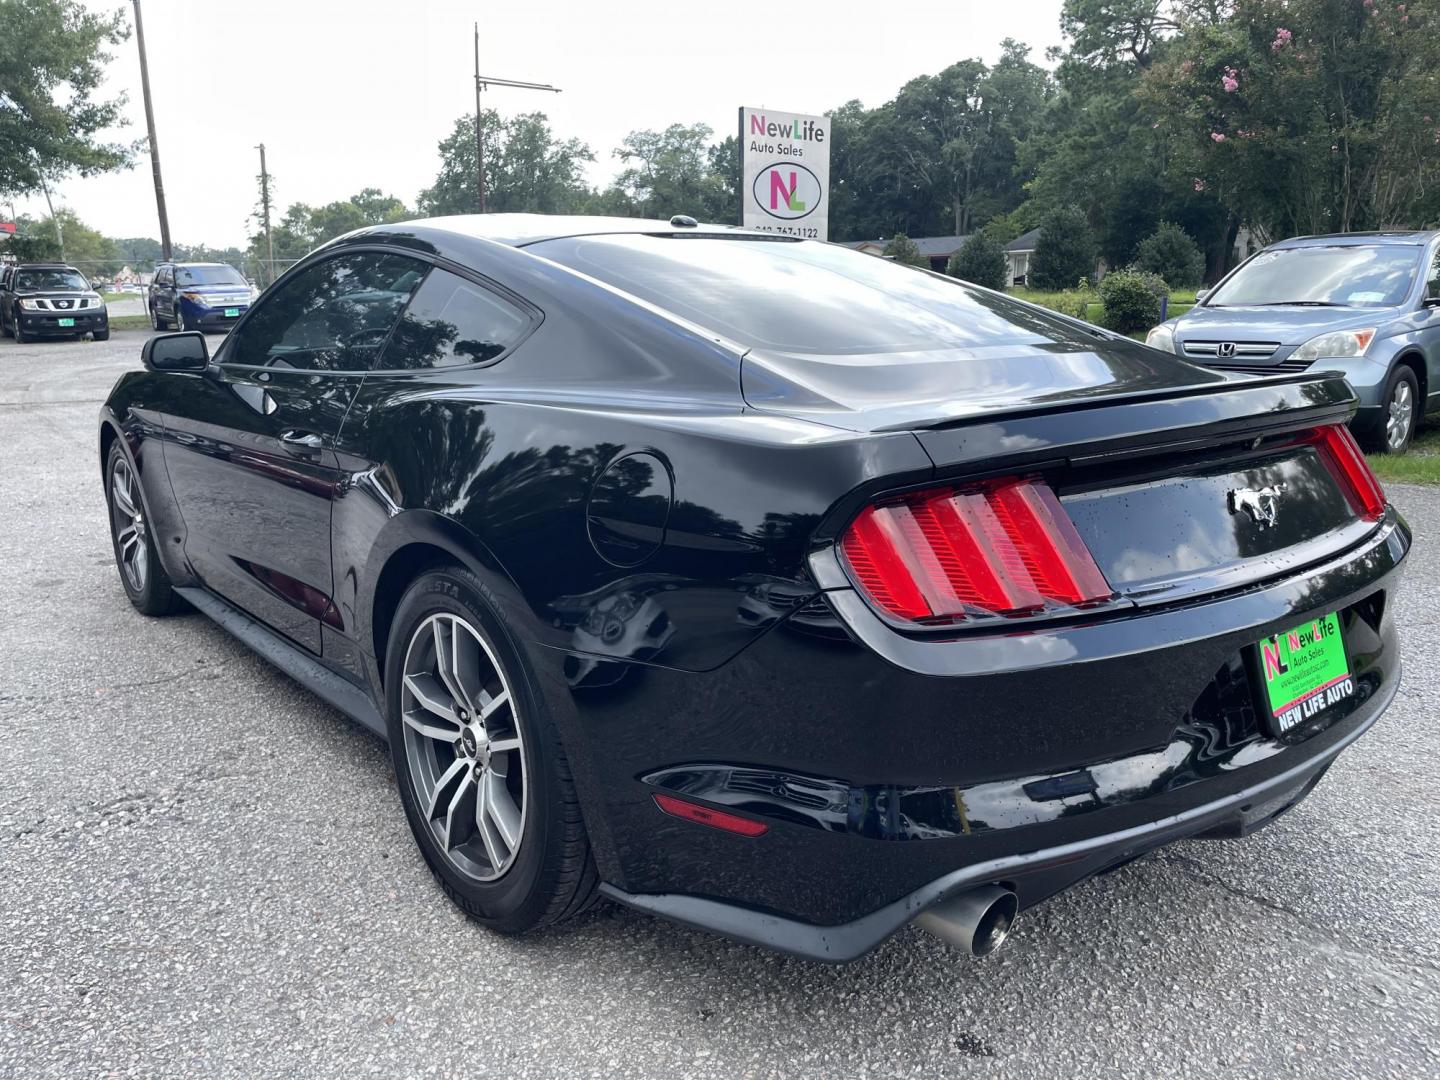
(179, 318)
(464, 748)
(127, 518)
(1400, 416)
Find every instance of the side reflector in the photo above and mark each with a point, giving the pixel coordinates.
(1001, 547)
(716, 819)
(1345, 459)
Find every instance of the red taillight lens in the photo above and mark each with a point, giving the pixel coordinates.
(1343, 456)
(1001, 547)
(704, 815)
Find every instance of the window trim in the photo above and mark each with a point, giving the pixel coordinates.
(430, 262)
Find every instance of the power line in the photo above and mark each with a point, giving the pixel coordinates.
(481, 83)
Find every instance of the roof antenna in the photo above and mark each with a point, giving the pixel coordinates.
(684, 221)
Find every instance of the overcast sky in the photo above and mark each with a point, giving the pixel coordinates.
(357, 94)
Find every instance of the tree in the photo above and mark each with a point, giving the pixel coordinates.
(1307, 116)
(903, 250)
(1170, 253)
(674, 172)
(981, 261)
(1065, 251)
(527, 169)
(84, 247)
(52, 62)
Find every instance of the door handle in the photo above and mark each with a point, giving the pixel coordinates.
(307, 439)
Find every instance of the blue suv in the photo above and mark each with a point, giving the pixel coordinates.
(197, 296)
(1365, 304)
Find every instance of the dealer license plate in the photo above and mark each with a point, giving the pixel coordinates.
(66, 322)
(1304, 672)
(232, 312)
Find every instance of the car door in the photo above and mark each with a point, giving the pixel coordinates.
(1430, 334)
(249, 449)
(158, 301)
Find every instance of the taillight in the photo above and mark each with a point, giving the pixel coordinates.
(1342, 455)
(999, 547)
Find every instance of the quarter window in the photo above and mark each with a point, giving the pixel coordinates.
(452, 321)
(332, 316)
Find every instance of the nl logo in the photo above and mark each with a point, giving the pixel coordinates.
(786, 191)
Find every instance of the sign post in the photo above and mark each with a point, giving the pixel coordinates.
(785, 173)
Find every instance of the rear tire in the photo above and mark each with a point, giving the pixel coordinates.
(1400, 413)
(143, 578)
(485, 785)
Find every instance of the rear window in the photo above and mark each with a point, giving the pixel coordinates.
(806, 297)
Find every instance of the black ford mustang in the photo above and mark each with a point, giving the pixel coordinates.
(757, 583)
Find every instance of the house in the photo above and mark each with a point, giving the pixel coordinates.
(935, 249)
(1017, 255)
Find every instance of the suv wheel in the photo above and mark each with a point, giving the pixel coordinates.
(1400, 413)
(478, 761)
(155, 323)
(179, 319)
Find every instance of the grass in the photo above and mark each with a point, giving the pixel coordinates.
(1419, 465)
(1066, 302)
(111, 297)
(129, 322)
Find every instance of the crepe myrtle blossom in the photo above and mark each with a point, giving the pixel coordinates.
(1217, 136)
(1282, 38)
(1199, 184)
(1230, 80)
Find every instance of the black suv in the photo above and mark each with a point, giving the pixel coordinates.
(50, 300)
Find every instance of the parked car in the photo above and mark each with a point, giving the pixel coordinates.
(197, 296)
(1363, 304)
(50, 300)
(758, 583)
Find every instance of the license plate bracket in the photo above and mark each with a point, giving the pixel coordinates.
(1302, 673)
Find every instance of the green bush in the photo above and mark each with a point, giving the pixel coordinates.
(903, 250)
(1065, 251)
(1132, 300)
(1170, 253)
(981, 261)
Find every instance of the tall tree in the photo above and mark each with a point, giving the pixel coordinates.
(527, 168)
(52, 61)
(674, 172)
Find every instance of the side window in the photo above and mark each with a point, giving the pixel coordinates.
(1432, 276)
(332, 316)
(162, 276)
(452, 321)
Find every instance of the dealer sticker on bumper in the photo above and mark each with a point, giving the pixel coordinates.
(1305, 671)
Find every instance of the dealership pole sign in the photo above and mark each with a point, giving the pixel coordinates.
(785, 173)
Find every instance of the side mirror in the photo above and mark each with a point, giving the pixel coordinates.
(176, 352)
(1431, 302)
(1200, 295)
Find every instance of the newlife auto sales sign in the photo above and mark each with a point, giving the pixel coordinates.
(785, 173)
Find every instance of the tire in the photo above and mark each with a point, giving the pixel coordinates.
(155, 323)
(548, 874)
(1400, 413)
(100, 335)
(179, 321)
(21, 337)
(143, 578)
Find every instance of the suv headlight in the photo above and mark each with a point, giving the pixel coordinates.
(197, 298)
(1162, 338)
(1335, 344)
(31, 305)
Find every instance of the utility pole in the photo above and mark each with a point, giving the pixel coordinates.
(54, 221)
(269, 275)
(482, 82)
(154, 146)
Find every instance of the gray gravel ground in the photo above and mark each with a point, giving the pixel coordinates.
(205, 871)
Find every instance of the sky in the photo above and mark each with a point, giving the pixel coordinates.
(357, 94)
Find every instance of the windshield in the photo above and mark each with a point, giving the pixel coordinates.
(208, 275)
(1350, 276)
(39, 280)
(805, 297)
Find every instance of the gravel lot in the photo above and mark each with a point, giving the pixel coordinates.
(205, 871)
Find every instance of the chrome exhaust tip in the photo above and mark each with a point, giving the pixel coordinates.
(975, 922)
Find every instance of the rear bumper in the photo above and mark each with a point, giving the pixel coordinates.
(1034, 875)
(893, 771)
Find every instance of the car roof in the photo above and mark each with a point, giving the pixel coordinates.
(44, 266)
(1379, 238)
(518, 230)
